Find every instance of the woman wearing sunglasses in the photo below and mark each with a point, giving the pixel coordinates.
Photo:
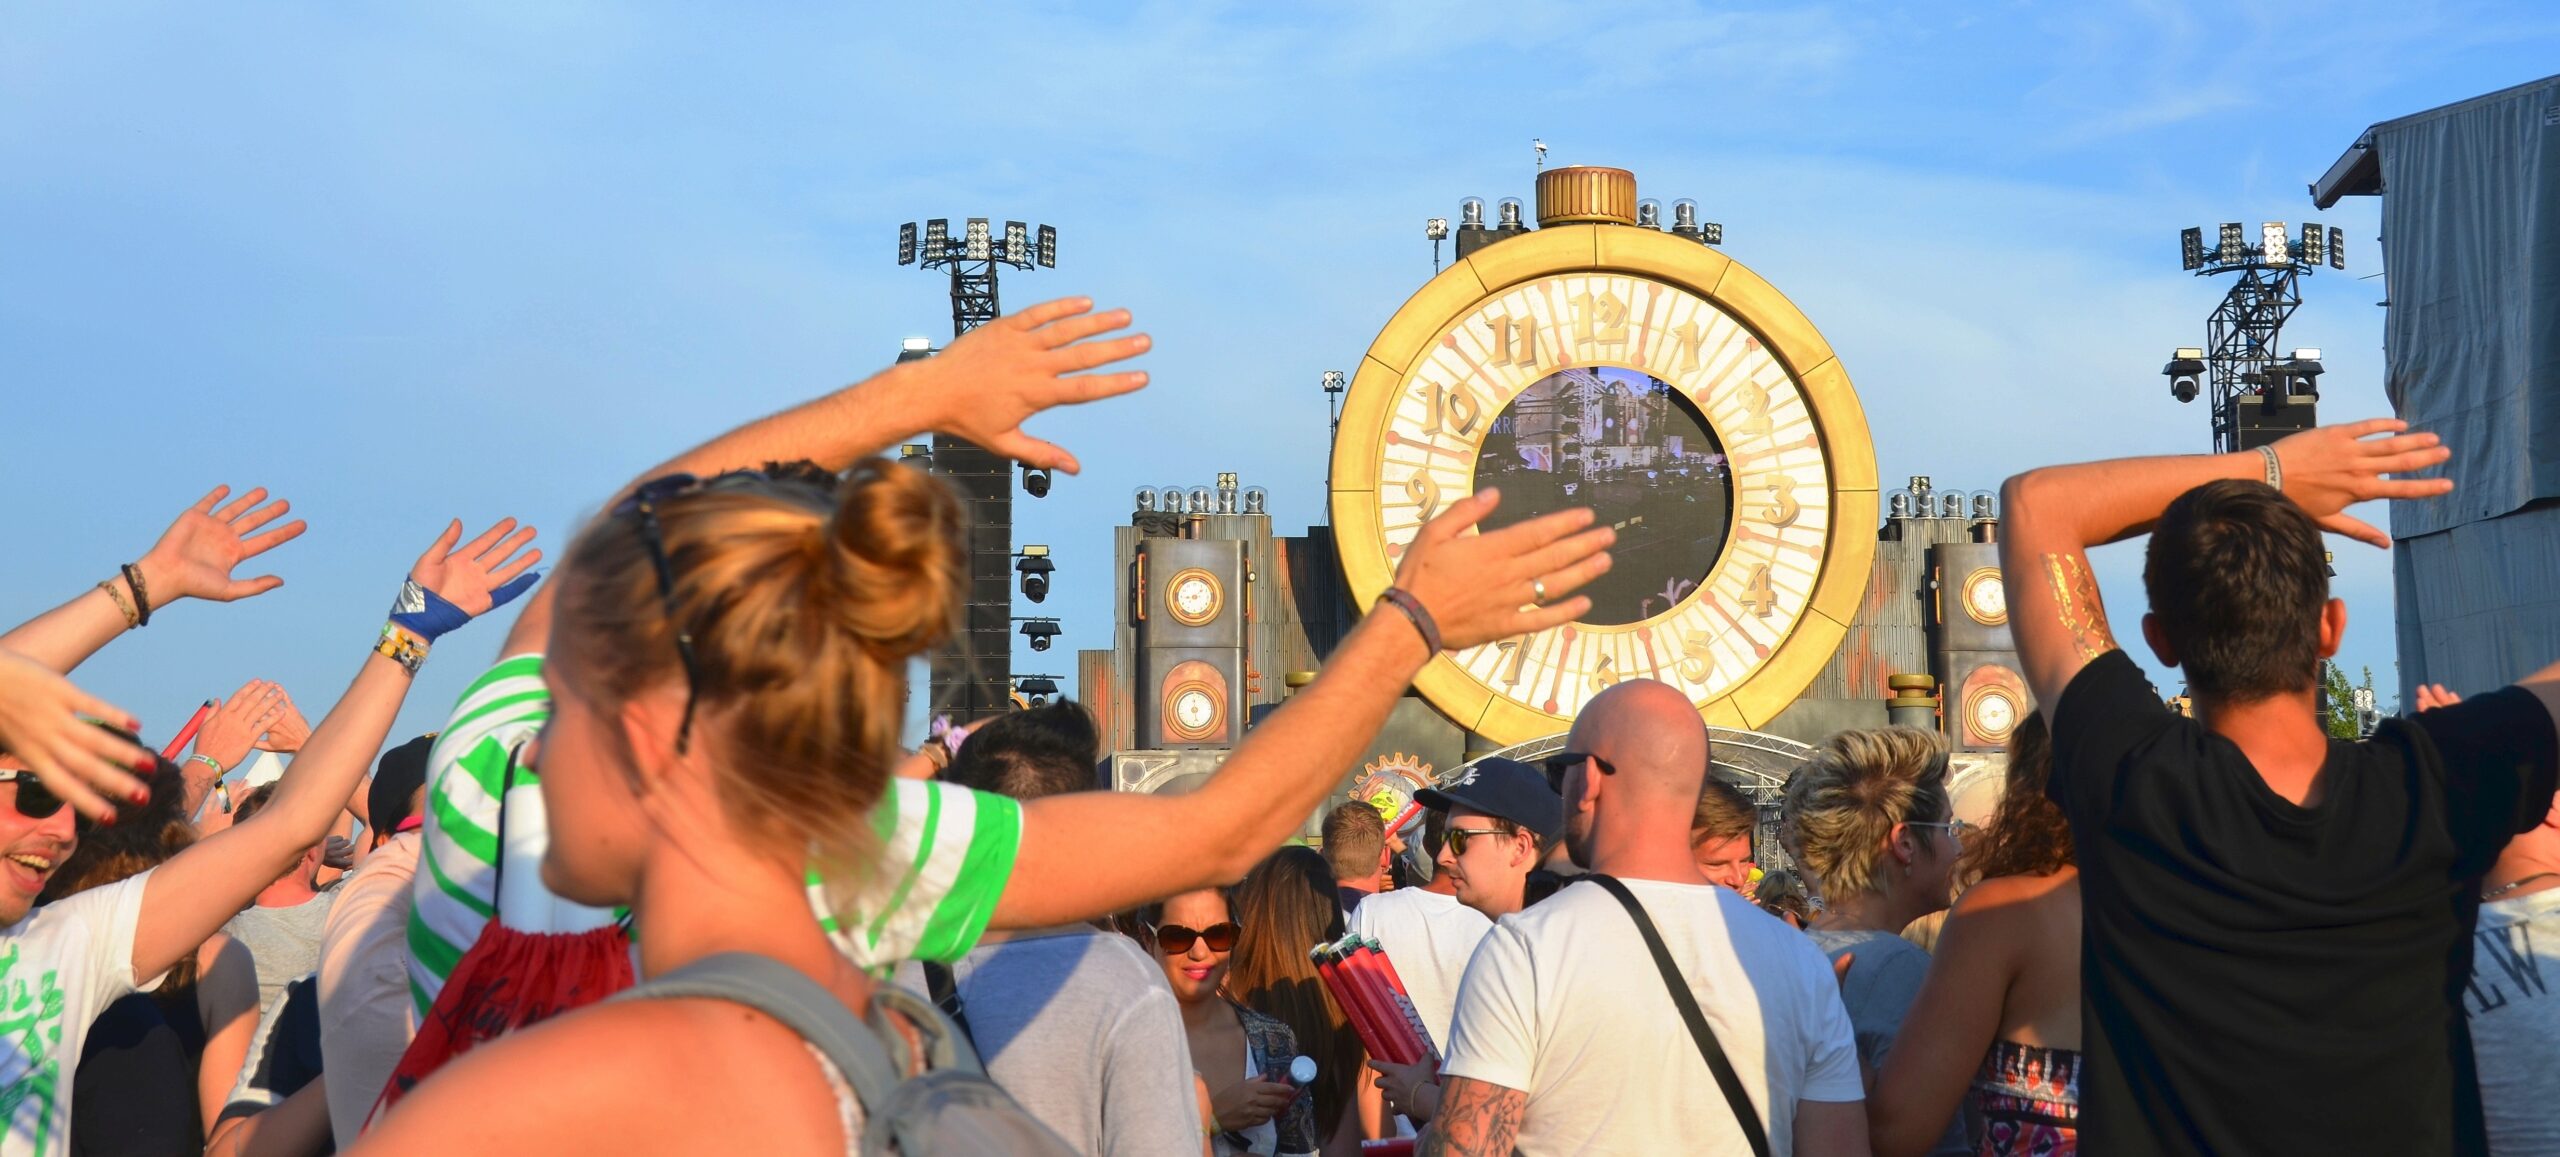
(1871, 825)
(1242, 1055)
(719, 676)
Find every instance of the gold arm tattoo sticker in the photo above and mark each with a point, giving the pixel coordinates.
(2075, 599)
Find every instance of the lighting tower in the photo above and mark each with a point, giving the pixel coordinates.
(2258, 396)
(973, 678)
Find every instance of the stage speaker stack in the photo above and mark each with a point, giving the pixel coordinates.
(1979, 681)
(1190, 607)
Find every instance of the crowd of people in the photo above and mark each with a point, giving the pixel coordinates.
(665, 881)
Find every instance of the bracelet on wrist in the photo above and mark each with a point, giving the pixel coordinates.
(400, 645)
(141, 594)
(2275, 469)
(209, 761)
(123, 604)
(1412, 607)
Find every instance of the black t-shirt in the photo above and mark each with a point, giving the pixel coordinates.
(135, 1090)
(2261, 977)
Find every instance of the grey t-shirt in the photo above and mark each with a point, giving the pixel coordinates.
(1079, 1026)
(284, 942)
(2515, 1020)
(1882, 982)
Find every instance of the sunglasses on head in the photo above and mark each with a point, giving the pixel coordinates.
(645, 501)
(1174, 939)
(1564, 761)
(34, 800)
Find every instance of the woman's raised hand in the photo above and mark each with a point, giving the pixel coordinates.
(480, 575)
(41, 725)
(196, 555)
(1480, 587)
(995, 377)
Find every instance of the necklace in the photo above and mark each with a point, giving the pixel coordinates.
(2510, 886)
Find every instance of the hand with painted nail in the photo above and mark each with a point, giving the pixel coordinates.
(46, 724)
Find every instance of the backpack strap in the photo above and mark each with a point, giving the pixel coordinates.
(1726, 1079)
(781, 992)
(944, 988)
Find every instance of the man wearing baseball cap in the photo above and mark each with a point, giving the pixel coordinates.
(1502, 818)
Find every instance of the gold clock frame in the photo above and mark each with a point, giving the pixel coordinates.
(1964, 595)
(1217, 597)
(1784, 332)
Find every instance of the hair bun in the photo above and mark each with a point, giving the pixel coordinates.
(897, 557)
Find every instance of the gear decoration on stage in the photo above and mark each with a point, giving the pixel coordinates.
(1592, 362)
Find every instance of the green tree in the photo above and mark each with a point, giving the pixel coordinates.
(2338, 712)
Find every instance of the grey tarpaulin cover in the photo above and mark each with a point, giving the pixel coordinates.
(2471, 243)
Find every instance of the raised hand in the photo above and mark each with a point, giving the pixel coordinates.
(1482, 587)
(2332, 467)
(482, 574)
(233, 728)
(998, 375)
(2434, 695)
(196, 555)
(289, 731)
(41, 726)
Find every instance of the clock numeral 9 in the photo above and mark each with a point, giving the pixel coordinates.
(1515, 343)
(1759, 596)
(1450, 411)
(1599, 319)
(1424, 491)
(1783, 508)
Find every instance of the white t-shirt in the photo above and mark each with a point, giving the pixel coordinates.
(1429, 938)
(2515, 1018)
(1563, 1002)
(59, 967)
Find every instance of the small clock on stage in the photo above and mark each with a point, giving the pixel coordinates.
(1984, 598)
(1194, 597)
(1595, 363)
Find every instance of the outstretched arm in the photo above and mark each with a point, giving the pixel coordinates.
(193, 559)
(982, 388)
(195, 891)
(1477, 1119)
(2054, 515)
(1951, 1025)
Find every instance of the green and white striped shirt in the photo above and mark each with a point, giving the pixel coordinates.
(946, 852)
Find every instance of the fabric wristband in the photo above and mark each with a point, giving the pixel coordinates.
(430, 616)
(2275, 469)
(402, 646)
(1412, 608)
(208, 761)
(141, 594)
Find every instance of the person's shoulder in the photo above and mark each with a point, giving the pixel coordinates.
(86, 912)
(2110, 692)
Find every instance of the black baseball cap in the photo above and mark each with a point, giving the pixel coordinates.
(396, 776)
(1507, 788)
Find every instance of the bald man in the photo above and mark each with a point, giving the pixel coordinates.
(1566, 1037)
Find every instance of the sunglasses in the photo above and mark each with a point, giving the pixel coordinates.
(1457, 837)
(1563, 761)
(1957, 830)
(34, 800)
(1174, 939)
(645, 501)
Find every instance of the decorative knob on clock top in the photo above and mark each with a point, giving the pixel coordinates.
(1667, 387)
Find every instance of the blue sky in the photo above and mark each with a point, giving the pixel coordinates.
(404, 263)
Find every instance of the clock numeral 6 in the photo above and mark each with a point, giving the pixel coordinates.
(1603, 676)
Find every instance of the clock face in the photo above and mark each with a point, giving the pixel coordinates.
(1677, 396)
(1194, 710)
(1995, 715)
(1985, 598)
(1193, 597)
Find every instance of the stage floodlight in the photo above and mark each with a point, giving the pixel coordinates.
(1335, 382)
(1017, 243)
(915, 345)
(1041, 632)
(2186, 364)
(1048, 242)
(1200, 500)
(1510, 220)
(1035, 481)
(1146, 499)
(1648, 214)
(1169, 500)
(2274, 247)
(2307, 354)
(1435, 229)
(977, 243)
(2190, 249)
(1036, 688)
(2338, 248)
(1035, 569)
(1255, 499)
(1226, 492)
(1471, 213)
(907, 243)
(918, 454)
(2233, 247)
(1684, 214)
(2313, 252)
(937, 240)
(1711, 233)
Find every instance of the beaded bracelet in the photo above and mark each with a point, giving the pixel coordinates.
(1412, 608)
(123, 604)
(141, 594)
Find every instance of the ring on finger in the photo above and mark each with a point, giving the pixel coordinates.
(1538, 591)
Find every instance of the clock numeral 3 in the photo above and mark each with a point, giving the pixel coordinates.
(1783, 508)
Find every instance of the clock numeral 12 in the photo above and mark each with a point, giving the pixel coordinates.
(1599, 319)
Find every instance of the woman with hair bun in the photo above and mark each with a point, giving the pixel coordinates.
(1996, 1028)
(718, 673)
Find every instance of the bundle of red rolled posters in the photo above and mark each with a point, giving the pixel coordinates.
(1364, 982)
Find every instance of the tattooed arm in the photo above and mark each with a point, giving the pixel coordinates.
(1477, 1119)
(2054, 515)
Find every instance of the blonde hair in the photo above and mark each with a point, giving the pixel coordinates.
(1843, 803)
(1724, 813)
(804, 606)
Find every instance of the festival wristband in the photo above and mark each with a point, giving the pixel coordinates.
(1412, 608)
(430, 616)
(2275, 469)
(208, 761)
(401, 646)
